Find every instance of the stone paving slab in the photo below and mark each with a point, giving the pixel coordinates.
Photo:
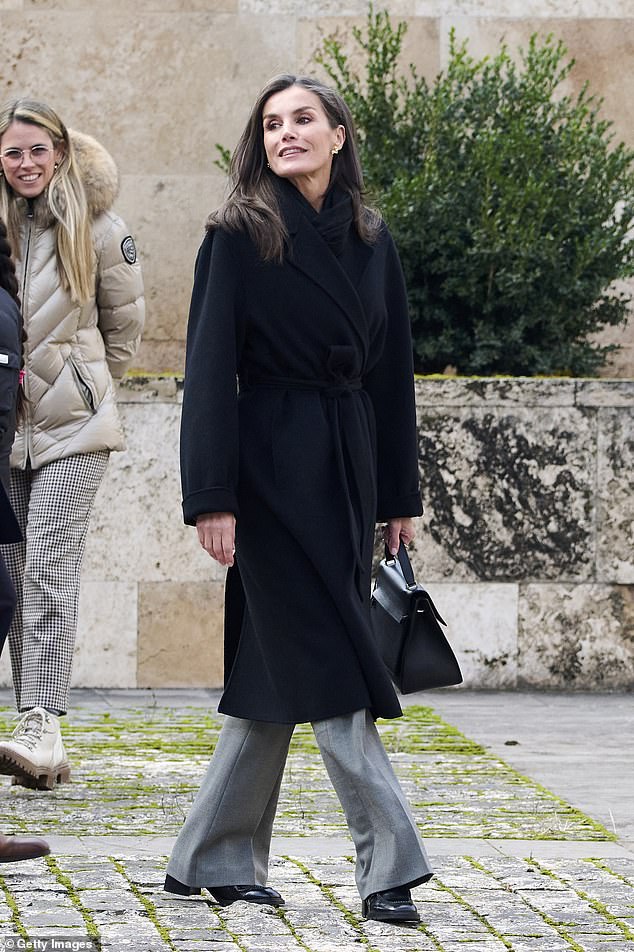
(486, 905)
(140, 768)
(517, 868)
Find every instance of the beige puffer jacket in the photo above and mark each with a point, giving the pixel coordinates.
(72, 352)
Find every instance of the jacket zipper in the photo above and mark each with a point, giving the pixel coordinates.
(26, 252)
(84, 387)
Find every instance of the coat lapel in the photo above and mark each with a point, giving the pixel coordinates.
(311, 255)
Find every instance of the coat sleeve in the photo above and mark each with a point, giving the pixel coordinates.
(120, 298)
(390, 385)
(10, 359)
(209, 422)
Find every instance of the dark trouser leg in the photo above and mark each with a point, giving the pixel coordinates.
(7, 602)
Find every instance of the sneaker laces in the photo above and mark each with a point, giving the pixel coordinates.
(29, 729)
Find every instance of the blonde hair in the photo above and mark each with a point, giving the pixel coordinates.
(65, 198)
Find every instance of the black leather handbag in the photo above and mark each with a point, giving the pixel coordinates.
(406, 626)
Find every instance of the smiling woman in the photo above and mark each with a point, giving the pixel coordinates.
(82, 309)
(29, 158)
(300, 142)
(298, 292)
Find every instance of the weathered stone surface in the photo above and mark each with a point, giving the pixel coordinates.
(577, 636)
(144, 200)
(420, 44)
(615, 481)
(137, 529)
(107, 642)
(524, 9)
(145, 6)
(180, 634)
(482, 630)
(604, 393)
(509, 495)
(494, 392)
(141, 388)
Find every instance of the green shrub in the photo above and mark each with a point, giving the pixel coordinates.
(509, 202)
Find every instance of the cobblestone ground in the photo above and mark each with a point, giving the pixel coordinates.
(141, 768)
(135, 772)
(482, 905)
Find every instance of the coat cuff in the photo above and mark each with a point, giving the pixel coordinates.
(216, 499)
(399, 507)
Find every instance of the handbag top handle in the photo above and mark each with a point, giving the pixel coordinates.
(404, 562)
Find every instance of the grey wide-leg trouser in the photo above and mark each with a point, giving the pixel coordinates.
(225, 840)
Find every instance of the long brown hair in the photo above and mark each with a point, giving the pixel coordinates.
(252, 204)
(65, 197)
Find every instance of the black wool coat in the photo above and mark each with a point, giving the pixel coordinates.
(10, 352)
(318, 444)
(10, 356)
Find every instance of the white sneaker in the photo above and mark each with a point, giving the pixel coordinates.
(35, 754)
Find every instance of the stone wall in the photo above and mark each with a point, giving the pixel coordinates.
(528, 539)
(526, 543)
(160, 82)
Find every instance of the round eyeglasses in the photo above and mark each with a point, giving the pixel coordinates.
(15, 157)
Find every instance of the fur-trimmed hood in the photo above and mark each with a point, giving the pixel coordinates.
(97, 170)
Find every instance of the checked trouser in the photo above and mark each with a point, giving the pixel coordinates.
(53, 506)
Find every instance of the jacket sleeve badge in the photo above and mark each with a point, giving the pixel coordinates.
(128, 249)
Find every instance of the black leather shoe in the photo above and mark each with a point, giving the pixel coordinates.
(225, 895)
(263, 895)
(390, 905)
(174, 886)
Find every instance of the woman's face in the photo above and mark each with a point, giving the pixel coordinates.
(30, 172)
(298, 138)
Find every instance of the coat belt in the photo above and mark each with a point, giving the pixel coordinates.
(334, 387)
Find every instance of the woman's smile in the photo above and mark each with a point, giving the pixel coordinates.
(299, 140)
(28, 176)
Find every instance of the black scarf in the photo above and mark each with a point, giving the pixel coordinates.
(333, 222)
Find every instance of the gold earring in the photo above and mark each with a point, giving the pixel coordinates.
(335, 150)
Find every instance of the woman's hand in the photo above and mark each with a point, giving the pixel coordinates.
(217, 535)
(397, 530)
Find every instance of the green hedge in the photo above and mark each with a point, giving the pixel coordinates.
(510, 202)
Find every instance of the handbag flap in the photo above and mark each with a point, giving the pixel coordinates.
(390, 590)
(394, 596)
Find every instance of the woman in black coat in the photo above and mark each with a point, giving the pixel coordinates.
(299, 294)
(12, 848)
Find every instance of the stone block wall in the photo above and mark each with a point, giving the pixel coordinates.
(528, 534)
(160, 82)
(527, 542)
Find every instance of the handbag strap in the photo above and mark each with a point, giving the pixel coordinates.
(404, 562)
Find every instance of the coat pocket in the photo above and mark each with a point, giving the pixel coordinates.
(84, 387)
